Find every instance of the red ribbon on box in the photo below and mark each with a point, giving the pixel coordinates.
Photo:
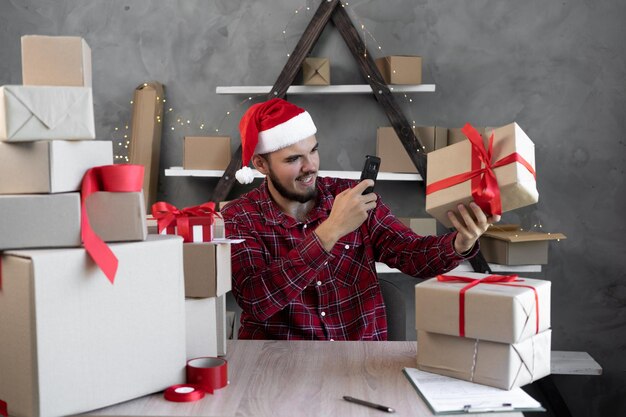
(490, 279)
(114, 178)
(4, 411)
(168, 216)
(485, 190)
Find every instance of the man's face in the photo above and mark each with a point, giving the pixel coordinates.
(293, 170)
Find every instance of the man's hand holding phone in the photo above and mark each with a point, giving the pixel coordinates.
(351, 207)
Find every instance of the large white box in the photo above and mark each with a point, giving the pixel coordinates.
(72, 342)
(29, 113)
(56, 166)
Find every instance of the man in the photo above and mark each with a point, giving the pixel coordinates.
(306, 269)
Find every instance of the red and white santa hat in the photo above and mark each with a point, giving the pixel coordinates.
(270, 126)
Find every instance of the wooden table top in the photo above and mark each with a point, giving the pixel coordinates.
(278, 378)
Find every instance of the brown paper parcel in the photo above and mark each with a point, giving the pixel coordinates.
(316, 71)
(517, 184)
(30, 113)
(500, 313)
(499, 365)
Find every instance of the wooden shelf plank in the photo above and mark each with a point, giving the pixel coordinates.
(466, 267)
(574, 363)
(324, 89)
(355, 175)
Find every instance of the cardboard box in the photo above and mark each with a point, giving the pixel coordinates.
(219, 231)
(206, 326)
(49, 166)
(400, 69)
(145, 140)
(30, 113)
(56, 60)
(316, 71)
(517, 184)
(117, 217)
(201, 327)
(516, 247)
(207, 269)
(72, 342)
(499, 365)
(394, 158)
(211, 152)
(39, 221)
(423, 227)
(503, 312)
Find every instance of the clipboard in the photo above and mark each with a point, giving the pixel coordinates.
(445, 395)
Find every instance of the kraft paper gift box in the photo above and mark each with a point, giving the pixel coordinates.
(56, 60)
(316, 71)
(73, 342)
(499, 365)
(516, 247)
(455, 135)
(206, 326)
(49, 166)
(39, 221)
(506, 312)
(117, 217)
(517, 184)
(211, 152)
(394, 158)
(400, 69)
(30, 113)
(145, 138)
(208, 268)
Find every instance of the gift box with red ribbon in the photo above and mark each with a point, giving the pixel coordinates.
(193, 224)
(498, 173)
(499, 308)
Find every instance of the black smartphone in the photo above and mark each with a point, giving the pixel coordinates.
(370, 170)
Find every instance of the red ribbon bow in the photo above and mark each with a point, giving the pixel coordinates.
(485, 190)
(169, 215)
(114, 178)
(490, 279)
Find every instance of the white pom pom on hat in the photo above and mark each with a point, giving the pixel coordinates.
(270, 126)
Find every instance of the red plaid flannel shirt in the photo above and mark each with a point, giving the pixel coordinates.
(290, 287)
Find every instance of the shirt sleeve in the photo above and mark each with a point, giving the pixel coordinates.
(263, 286)
(399, 247)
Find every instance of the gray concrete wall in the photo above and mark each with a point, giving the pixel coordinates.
(555, 67)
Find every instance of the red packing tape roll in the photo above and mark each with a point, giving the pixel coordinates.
(184, 393)
(207, 372)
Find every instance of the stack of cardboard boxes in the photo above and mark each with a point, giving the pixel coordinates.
(494, 333)
(71, 341)
(207, 272)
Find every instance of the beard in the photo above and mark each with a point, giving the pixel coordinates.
(290, 195)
